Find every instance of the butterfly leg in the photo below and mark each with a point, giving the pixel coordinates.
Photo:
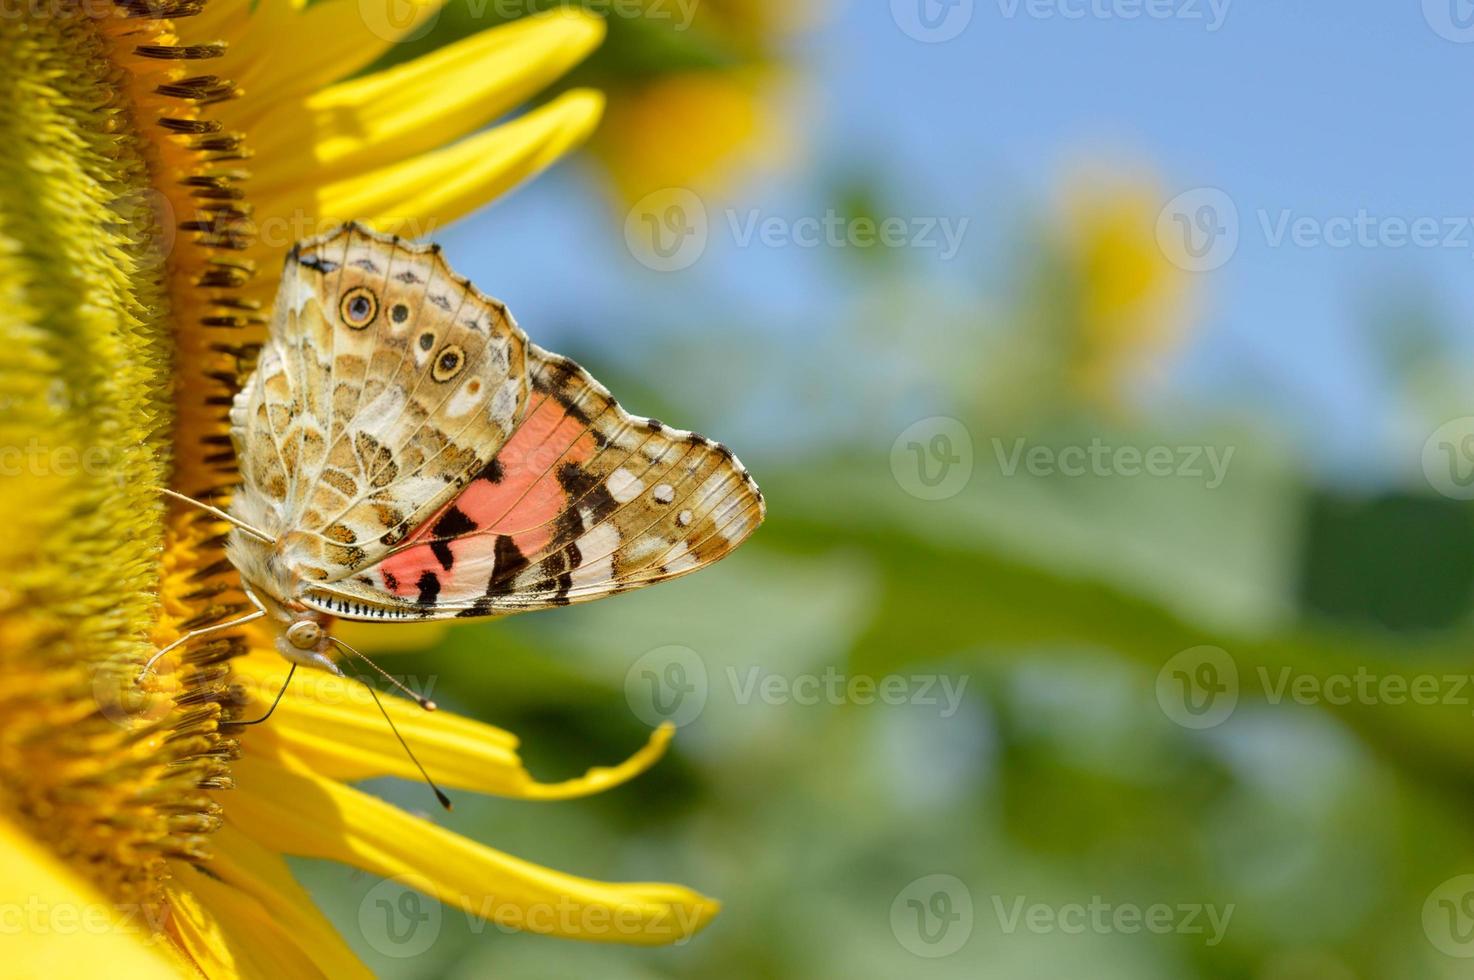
(203, 631)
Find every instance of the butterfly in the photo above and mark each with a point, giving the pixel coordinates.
(407, 454)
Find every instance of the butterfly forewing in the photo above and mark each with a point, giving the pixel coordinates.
(386, 386)
(499, 479)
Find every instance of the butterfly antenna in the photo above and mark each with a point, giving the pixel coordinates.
(418, 699)
(218, 513)
(441, 797)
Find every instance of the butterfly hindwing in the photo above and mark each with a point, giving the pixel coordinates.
(386, 386)
(584, 500)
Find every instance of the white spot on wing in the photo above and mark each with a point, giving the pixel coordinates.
(683, 558)
(380, 414)
(465, 399)
(602, 540)
(298, 293)
(624, 486)
(504, 404)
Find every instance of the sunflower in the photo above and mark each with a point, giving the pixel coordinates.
(1132, 304)
(159, 155)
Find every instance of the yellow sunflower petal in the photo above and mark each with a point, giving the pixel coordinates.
(218, 20)
(312, 817)
(322, 42)
(246, 866)
(57, 925)
(421, 105)
(330, 726)
(230, 933)
(415, 196)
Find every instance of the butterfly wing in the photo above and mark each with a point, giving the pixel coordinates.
(388, 383)
(584, 500)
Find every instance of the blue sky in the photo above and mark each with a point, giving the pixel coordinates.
(1308, 110)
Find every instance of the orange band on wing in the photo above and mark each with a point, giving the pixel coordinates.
(518, 495)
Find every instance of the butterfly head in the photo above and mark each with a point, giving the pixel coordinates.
(306, 641)
(306, 634)
(302, 635)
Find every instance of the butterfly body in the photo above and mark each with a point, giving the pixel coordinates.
(408, 454)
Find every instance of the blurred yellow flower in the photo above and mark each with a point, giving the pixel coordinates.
(159, 157)
(699, 108)
(689, 130)
(1131, 301)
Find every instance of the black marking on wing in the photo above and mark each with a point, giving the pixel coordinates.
(441, 302)
(317, 262)
(507, 561)
(592, 495)
(575, 479)
(452, 524)
(482, 606)
(493, 471)
(589, 501)
(429, 586)
(560, 372)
